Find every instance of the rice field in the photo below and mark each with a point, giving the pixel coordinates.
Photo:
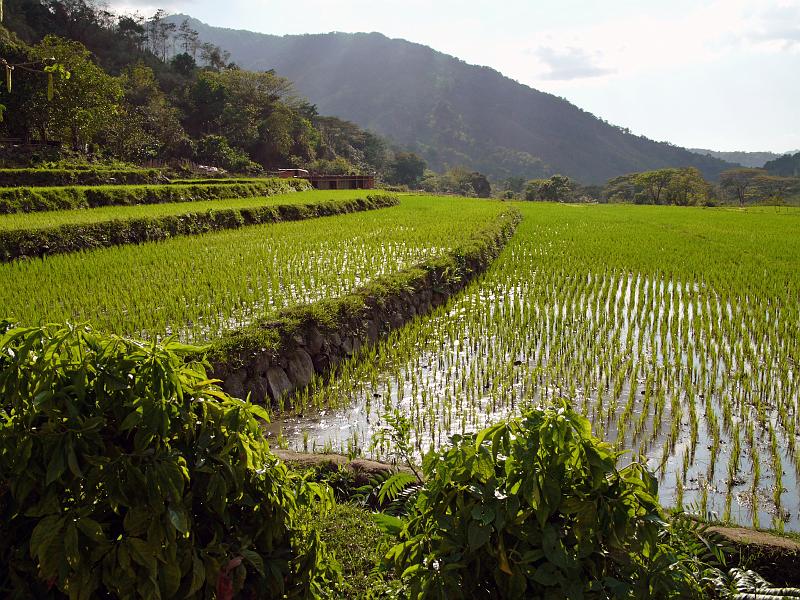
(197, 287)
(85, 216)
(675, 330)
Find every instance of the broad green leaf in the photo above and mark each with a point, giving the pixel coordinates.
(91, 529)
(389, 524)
(178, 519)
(478, 535)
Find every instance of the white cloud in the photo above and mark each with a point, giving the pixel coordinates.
(776, 26)
(570, 63)
(645, 41)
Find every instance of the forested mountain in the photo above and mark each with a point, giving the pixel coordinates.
(754, 160)
(448, 111)
(81, 79)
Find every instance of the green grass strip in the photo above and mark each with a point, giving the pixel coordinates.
(85, 216)
(28, 243)
(29, 199)
(55, 177)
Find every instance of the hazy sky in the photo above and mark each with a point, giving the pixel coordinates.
(720, 74)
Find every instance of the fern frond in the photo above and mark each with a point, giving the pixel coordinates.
(392, 487)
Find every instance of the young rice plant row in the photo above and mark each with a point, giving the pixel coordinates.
(675, 330)
(197, 287)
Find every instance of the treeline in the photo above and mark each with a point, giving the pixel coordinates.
(679, 186)
(134, 89)
(787, 165)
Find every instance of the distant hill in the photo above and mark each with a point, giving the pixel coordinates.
(787, 165)
(754, 160)
(450, 112)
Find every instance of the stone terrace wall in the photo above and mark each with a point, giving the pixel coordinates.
(273, 359)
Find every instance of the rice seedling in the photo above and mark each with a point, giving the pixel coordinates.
(673, 329)
(197, 287)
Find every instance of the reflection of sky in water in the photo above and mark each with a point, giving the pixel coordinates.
(509, 343)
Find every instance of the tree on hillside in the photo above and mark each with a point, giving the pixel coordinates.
(340, 139)
(774, 188)
(82, 106)
(686, 187)
(480, 184)
(132, 27)
(620, 189)
(255, 112)
(458, 180)
(555, 189)
(336, 166)
(681, 186)
(184, 64)
(737, 182)
(147, 125)
(189, 38)
(514, 184)
(213, 56)
(405, 169)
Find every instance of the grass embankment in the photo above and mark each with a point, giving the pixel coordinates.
(32, 199)
(271, 359)
(78, 176)
(100, 214)
(77, 234)
(201, 286)
(358, 545)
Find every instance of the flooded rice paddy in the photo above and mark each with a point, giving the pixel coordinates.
(674, 330)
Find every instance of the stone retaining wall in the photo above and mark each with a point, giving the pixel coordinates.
(273, 359)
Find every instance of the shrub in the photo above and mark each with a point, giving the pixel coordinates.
(536, 508)
(214, 149)
(125, 472)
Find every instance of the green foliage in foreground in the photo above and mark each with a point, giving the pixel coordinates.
(536, 507)
(125, 472)
(72, 238)
(358, 544)
(31, 199)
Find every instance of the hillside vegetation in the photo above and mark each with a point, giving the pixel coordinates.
(450, 112)
(121, 87)
(754, 160)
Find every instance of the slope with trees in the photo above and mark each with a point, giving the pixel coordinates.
(137, 89)
(449, 112)
(753, 160)
(787, 165)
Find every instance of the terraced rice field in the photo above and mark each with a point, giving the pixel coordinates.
(199, 286)
(675, 330)
(35, 220)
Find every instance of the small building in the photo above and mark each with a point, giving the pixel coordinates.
(342, 182)
(331, 182)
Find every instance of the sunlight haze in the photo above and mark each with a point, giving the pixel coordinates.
(718, 75)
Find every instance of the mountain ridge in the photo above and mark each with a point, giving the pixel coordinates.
(745, 158)
(448, 111)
